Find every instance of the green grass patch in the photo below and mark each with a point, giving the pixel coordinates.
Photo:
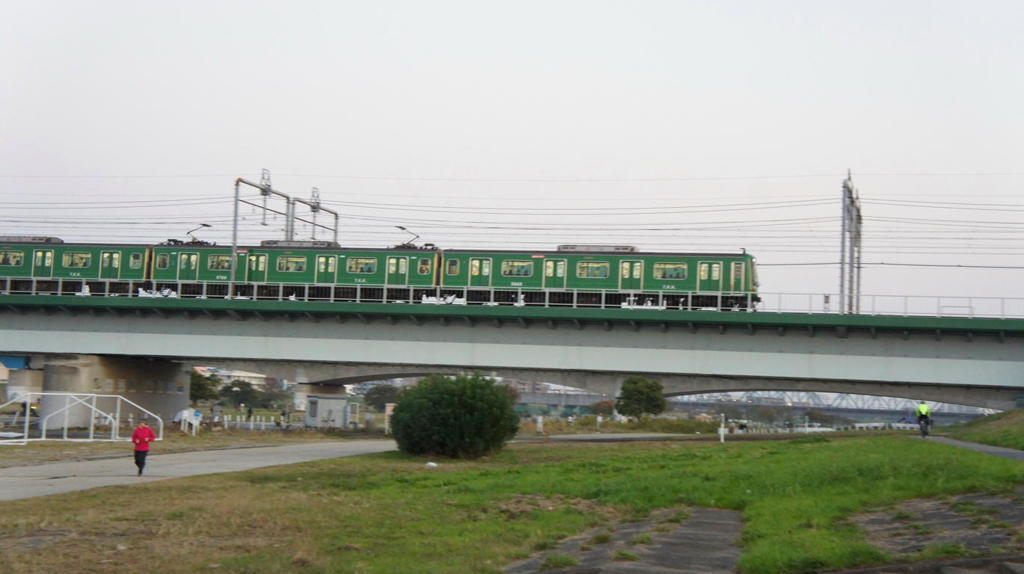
(625, 556)
(559, 561)
(972, 508)
(679, 517)
(641, 539)
(946, 550)
(387, 513)
(1005, 429)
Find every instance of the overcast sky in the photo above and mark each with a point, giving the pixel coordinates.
(675, 125)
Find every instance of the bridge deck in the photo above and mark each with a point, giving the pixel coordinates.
(551, 316)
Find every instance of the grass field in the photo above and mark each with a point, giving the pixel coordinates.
(1004, 429)
(389, 513)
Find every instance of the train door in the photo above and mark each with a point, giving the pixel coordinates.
(188, 266)
(709, 276)
(110, 265)
(42, 263)
(631, 275)
(256, 268)
(554, 273)
(736, 277)
(479, 272)
(398, 270)
(325, 268)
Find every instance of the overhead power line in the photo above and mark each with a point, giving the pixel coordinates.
(879, 263)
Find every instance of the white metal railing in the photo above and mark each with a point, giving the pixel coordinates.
(667, 300)
(110, 416)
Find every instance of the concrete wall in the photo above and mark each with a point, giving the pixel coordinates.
(158, 386)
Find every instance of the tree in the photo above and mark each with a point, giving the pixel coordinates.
(603, 408)
(238, 393)
(461, 417)
(202, 388)
(380, 395)
(765, 414)
(641, 396)
(731, 412)
(821, 417)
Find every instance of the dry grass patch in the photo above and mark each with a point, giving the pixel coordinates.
(221, 520)
(528, 503)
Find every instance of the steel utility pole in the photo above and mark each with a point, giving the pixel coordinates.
(850, 250)
(266, 190)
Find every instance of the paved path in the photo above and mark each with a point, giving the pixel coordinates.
(1009, 453)
(53, 478)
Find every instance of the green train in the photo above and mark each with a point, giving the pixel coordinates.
(571, 275)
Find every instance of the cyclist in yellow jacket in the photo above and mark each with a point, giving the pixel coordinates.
(924, 413)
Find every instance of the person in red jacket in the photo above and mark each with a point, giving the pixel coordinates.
(142, 436)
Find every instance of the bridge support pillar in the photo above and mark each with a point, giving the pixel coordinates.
(22, 381)
(157, 385)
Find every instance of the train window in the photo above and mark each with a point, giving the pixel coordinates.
(715, 270)
(43, 259)
(110, 260)
(452, 266)
(361, 265)
(517, 268)
(424, 267)
(257, 263)
(219, 262)
(163, 261)
(670, 270)
(549, 268)
(135, 261)
(11, 258)
(188, 261)
(474, 267)
(593, 269)
(291, 263)
(77, 259)
(325, 264)
(398, 265)
(737, 279)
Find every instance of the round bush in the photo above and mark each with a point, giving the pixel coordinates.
(460, 417)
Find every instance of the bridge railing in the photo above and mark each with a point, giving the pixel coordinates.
(904, 305)
(816, 303)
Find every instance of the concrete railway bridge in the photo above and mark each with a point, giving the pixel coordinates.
(144, 347)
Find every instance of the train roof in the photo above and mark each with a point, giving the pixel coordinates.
(40, 240)
(547, 252)
(328, 247)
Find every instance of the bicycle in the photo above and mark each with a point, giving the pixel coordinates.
(924, 423)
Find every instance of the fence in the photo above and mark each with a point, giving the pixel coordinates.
(106, 415)
(654, 300)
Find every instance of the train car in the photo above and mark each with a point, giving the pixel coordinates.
(52, 265)
(571, 275)
(603, 275)
(320, 270)
(342, 274)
